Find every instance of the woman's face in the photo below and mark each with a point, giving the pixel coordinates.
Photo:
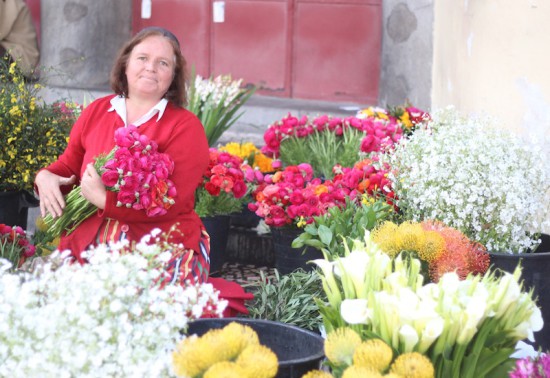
(150, 68)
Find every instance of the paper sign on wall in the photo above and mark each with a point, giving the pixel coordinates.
(145, 8)
(219, 11)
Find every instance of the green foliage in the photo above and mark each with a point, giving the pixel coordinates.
(323, 150)
(289, 298)
(207, 205)
(216, 101)
(328, 231)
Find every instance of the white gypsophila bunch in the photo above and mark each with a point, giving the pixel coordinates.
(474, 177)
(107, 318)
(213, 91)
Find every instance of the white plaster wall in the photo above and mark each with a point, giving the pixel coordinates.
(493, 57)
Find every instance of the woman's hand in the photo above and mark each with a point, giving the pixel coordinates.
(92, 187)
(51, 198)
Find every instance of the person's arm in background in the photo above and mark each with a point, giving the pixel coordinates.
(18, 35)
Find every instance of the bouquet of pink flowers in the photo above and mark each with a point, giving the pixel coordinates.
(14, 245)
(136, 170)
(293, 196)
(223, 187)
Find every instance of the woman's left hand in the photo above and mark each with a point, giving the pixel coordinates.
(92, 187)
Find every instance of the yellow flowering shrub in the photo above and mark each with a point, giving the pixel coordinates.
(33, 133)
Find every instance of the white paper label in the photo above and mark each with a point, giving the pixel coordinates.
(145, 8)
(219, 11)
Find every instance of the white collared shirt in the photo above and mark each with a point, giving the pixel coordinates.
(118, 104)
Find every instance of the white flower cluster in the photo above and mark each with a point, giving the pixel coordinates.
(214, 91)
(483, 181)
(103, 319)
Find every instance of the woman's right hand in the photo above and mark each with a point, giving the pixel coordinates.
(51, 198)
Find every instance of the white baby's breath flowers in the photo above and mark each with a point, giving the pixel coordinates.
(469, 174)
(107, 318)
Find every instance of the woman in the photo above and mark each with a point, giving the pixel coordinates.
(148, 79)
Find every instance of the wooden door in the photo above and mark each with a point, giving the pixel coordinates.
(310, 49)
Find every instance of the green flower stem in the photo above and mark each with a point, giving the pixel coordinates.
(77, 209)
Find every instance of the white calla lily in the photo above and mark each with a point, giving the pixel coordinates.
(355, 311)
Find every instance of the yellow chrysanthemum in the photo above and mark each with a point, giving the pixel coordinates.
(355, 371)
(317, 374)
(225, 369)
(374, 353)
(410, 236)
(413, 365)
(433, 247)
(237, 337)
(391, 375)
(340, 345)
(258, 361)
(384, 237)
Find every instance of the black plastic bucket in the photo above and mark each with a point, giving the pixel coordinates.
(218, 229)
(536, 275)
(14, 207)
(298, 350)
(288, 259)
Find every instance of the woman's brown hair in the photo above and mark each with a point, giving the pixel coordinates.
(176, 93)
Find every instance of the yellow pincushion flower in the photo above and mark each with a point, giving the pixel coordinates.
(340, 345)
(258, 361)
(355, 371)
(410, 236)
(384, 237)
(373, 353)
(433, 247)
(317, 374)
(225, 369)
(184, 358)
(413, 365)
(194, 355)
(237, 337)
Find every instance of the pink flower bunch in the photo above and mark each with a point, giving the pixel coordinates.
(293, 196)
(224, 174)
(139, 173)
(407, 117)
(379, 133)
(364, 178)
(14, 245)
(537, 367)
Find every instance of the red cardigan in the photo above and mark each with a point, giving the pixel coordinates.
(179, 133)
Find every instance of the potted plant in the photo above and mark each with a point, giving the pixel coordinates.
(15, 245)
(34, 134)
(118, 313)
(255, 166)
(484, 181)
(217, 101)
(326, 141)
(221, 193)
(467, 328)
